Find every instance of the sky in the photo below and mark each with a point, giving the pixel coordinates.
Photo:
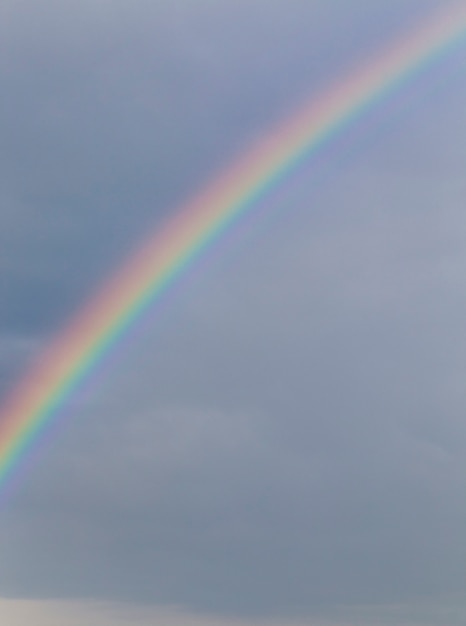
(281, 439)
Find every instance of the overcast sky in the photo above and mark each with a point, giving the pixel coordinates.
(281, 440)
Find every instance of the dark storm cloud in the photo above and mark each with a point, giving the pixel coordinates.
(289, 436)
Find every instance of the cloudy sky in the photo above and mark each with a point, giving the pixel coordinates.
(282, 440)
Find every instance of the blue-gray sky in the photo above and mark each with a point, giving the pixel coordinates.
(283, 439)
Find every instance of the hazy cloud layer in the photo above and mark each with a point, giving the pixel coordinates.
(283, 437)
(54, 613)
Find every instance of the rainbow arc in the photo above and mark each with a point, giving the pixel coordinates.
(74, 354)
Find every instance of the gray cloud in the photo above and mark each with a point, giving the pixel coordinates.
(284, 435)
(299, 429)
(114, 113)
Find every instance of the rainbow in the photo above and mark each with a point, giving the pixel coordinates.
(34, 402)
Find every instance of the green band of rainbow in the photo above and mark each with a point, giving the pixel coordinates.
(35, 401)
